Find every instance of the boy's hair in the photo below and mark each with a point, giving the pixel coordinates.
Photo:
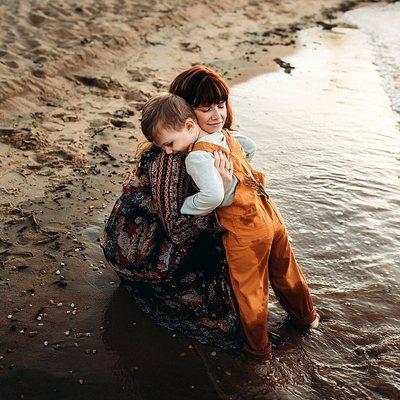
(202, 86)
(164, 111)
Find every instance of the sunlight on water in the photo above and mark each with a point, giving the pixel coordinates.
(328, 142)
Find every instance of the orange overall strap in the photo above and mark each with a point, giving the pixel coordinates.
(210, 147)
(233, 144)
(255, 178)
(237, 149)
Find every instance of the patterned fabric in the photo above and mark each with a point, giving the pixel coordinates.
(174, 265)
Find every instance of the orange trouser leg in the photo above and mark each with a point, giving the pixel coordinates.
(247, 260)
(288, 281)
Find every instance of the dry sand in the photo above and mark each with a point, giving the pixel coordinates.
(73, 78)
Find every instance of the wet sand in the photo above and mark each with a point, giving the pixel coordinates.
(73, 79)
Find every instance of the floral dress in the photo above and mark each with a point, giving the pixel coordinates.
(173, 264)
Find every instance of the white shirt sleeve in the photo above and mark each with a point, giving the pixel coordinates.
(248, 145)
(200, 166)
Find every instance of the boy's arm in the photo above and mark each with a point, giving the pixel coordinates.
(248, 145)
(200, 166)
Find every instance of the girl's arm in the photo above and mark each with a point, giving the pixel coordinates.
(170, 185)
(248, 145)
(200, 166)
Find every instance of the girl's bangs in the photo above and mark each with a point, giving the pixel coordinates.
(210, 91)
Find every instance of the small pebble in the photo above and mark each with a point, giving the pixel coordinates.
(213, 353)
(45, 343)
(9, 316)
(58, 272)
(59, 304)
(67, 333)
(81, 381)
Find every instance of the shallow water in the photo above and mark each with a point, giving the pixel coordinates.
(328, 142)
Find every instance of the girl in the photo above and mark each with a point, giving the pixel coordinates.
(255, 241)
(173, 264)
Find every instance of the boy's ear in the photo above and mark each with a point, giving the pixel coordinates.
(189, 124)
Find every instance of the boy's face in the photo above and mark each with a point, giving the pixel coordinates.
(172, 141)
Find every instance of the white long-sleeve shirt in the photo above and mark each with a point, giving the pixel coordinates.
(200, 166)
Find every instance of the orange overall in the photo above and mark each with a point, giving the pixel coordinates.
(258, 250)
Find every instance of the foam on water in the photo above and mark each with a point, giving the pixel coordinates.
(382, 24)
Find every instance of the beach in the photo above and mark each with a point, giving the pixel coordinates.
(74, 76)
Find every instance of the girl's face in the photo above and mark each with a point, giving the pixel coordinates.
(211, 118)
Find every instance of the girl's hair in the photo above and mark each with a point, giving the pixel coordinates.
(201, 86)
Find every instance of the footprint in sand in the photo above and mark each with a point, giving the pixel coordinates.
(11, 64)
(37, 19)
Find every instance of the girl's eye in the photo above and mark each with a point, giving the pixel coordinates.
(221, 105)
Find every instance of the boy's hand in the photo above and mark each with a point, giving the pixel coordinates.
(224, 167)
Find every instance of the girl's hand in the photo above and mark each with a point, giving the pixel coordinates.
(224, 167)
